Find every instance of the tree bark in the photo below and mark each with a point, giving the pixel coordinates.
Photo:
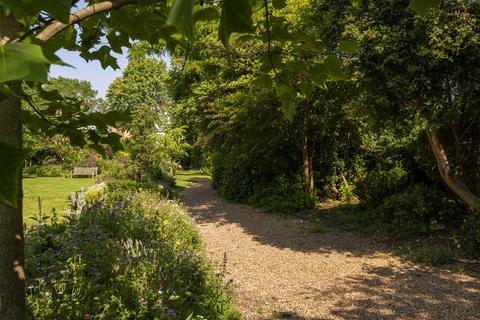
(452, 182)
(12, 275)
(308, 181)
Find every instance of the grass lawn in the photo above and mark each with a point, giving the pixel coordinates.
(53, 192)
(183, 179)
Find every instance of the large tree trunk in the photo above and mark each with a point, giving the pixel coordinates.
(452, 182)
(12, 275)
(308, 181)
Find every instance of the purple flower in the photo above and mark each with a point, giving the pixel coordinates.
(142, 301)
(31, 286)
(171, 314)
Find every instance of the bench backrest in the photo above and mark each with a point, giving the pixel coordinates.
(84, 171)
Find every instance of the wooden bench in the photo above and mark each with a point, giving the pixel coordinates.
(84, 171)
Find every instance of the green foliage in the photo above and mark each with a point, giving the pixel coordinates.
(422, 7)
(470, 233)
(153, 145)
(383, 182)
(24, 9)
(283, 195)
(23, 61)
(417, 211)
(430, 256)
(181, 17)
(133, 255)
(236, 16)
(45, 171)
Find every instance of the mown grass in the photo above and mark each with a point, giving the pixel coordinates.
(53, 192)
(183, 179)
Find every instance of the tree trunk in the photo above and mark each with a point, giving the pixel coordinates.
(452, 182)
(307, 174)
(12, 275)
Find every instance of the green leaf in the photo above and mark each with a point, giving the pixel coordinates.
(205, 14)
(263, 80)
(58, 9)
(334, 68)
(113, 140)
(103, 55)
(422, 7)
(23, 61)
(286, 95)
(279, 4)
(356, 3)
(236, 17)
(181, 17)
(11, 162)
(348, 46)
(19, 8)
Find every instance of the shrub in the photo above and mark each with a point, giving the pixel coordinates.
(380, 183)
(45, 170)
(416, 211)
(470, 233)
(134, 255)
(284, 195)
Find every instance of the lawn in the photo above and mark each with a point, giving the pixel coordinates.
(53, 193)
(183, 179)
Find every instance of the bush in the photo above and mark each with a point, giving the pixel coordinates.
(284, 195)
(380, 183)
(418, 210)
(470, 233)
(113, 168)
(45, 171)
(134, 255)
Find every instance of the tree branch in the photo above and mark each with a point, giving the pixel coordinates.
(457, 186)
(81, 15)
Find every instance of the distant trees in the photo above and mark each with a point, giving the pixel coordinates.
(153, 145)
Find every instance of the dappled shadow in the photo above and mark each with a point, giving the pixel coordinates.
(344, 275)
(407, 293)
(272, 229)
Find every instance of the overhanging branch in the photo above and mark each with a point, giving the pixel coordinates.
(81, 15)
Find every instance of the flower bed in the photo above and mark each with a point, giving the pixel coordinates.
(130, 255)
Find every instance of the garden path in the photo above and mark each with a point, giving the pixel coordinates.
(278, 269)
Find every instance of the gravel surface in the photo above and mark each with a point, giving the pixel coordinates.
(278, 269)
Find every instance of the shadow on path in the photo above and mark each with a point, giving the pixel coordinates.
(376, 285)
(272, 229)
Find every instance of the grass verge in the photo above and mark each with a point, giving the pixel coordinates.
(53, 192)
(183, 179)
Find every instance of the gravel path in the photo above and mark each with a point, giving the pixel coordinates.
(280, 270)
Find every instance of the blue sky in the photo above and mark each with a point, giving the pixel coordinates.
(91, 71)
